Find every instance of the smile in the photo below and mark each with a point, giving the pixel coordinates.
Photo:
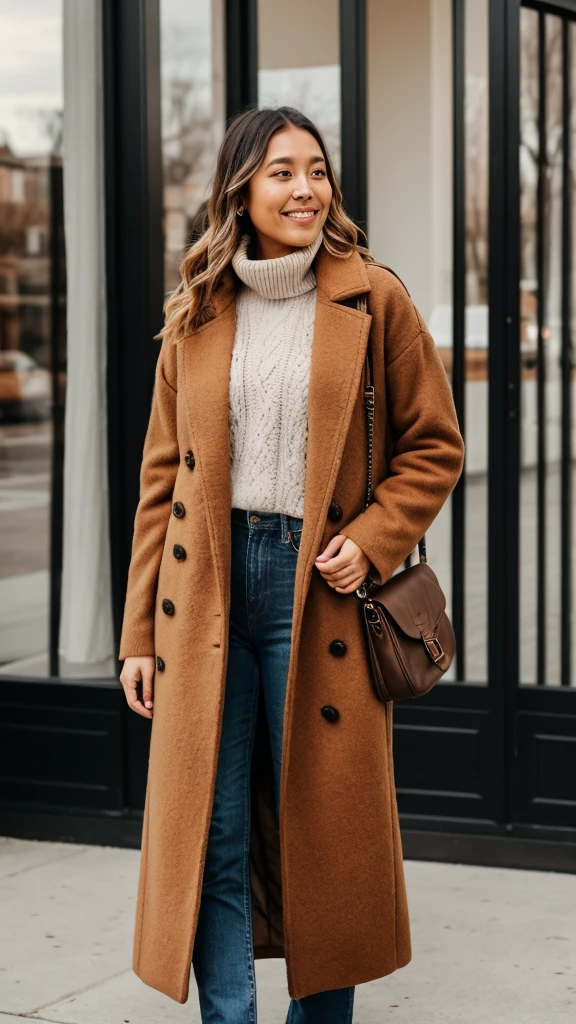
(306, 215)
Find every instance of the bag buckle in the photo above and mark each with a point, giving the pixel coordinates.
(433, 647)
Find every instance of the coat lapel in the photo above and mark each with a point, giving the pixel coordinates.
(338, 349)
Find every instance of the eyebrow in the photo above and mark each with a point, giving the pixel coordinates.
(289, 160)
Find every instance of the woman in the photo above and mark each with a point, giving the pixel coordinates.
(271, 825)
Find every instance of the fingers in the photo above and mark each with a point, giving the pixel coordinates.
(136, 672)
(344, 571)
(332, 548)
(148, 687)
(338, 563)
(339, 575)
(349, 588)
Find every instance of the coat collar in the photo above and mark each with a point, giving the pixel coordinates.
(337, 278)
(340, 277)
(338, 349)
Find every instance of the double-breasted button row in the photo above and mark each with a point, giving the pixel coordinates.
(190, 460)
(337, 648)
(178, 551)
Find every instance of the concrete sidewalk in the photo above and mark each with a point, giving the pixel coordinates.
(490, 946)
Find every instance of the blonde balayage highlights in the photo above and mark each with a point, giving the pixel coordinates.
(241, 153)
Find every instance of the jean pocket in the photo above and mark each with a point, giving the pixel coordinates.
(295, 536)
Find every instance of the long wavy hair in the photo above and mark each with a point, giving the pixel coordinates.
(241, 153)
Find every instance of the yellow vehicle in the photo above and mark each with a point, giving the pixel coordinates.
(25, 389)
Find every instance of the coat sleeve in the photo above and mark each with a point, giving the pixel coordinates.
(427, 448)
(157, 478)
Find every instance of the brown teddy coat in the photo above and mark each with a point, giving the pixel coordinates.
(327, 880)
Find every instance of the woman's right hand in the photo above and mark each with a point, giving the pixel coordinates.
(139, 671)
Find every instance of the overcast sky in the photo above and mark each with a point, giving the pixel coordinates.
(30, 71)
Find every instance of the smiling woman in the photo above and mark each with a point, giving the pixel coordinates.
(270, 765)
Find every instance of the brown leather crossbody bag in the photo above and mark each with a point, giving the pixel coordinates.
(409, 637)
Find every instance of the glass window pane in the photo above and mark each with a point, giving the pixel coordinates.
(299, 67)
(193, 116)
(410, 191)
(31, 102)
(541, 177)
(529, 159)
(476, 342)
(553, 342)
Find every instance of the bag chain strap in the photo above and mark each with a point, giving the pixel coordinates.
(369, 403)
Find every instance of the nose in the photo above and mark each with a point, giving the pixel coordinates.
(302, 188)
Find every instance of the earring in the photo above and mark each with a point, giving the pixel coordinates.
(240, 211)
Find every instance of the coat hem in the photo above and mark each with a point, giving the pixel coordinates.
(180, 997)
(352, 980)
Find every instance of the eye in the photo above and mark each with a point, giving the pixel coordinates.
(319, 171)
(278, 173)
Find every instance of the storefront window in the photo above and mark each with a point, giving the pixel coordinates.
(193, 116)
(32, 328)
(410, 208)
(301, 68)
(542, 560)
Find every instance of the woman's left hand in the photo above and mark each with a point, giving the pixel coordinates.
(343, 564)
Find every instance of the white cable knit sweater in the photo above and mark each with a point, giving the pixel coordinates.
(269, 378)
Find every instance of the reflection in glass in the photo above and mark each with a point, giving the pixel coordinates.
(301, 68)
(476, 340)
(552, 339)
(193, 116)
(410, 187)
(30, 172)
(541, 177)
(529, 161)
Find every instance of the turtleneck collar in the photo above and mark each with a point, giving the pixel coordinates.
(281, 278)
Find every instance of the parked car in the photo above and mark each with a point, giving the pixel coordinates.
(25, 389)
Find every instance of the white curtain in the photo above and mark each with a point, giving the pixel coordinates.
(86, 633)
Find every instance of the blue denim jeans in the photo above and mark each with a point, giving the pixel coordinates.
(264, 554)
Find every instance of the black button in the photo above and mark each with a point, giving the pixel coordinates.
(160, 664)
(168, 607)
(334, 512)
(179, 552)
(330, 714)
(190, 460)
(178, 510)
(337, 648)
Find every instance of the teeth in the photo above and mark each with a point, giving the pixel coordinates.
(302, 216)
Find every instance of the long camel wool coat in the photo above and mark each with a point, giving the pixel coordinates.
(327, 881)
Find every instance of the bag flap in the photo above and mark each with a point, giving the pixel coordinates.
(414, 599)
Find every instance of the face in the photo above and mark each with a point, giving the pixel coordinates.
(289, 196)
